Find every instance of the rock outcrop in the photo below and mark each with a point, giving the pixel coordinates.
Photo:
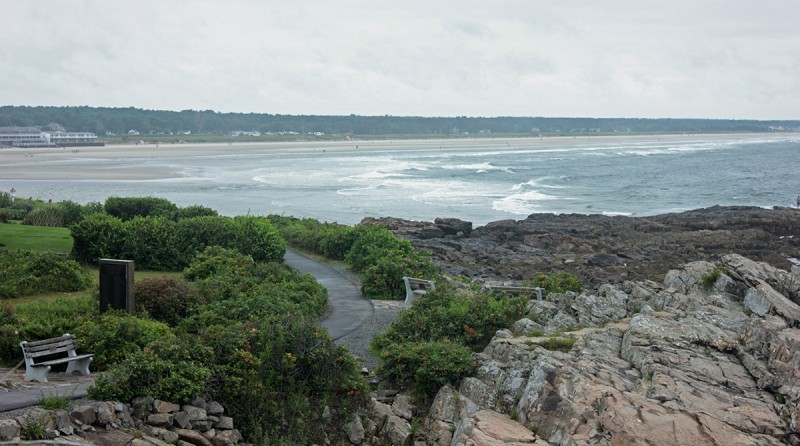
(603, 249)
(710, 356)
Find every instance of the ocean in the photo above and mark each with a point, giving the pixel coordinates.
(475, 184)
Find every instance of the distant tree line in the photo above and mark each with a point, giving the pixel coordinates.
(101, 120)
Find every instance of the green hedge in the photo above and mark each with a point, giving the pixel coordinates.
(158, 243)
(28, 272)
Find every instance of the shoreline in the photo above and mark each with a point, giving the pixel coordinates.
(131, 162)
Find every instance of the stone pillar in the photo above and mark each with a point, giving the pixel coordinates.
(116, 285)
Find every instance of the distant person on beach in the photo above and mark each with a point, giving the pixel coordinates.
(797, 203)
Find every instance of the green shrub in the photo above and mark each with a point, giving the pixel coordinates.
(559, 282)
(47, 215)
(195, 211)
(166, 299)
(6, 215)
(257, 237)
(150, 243)
(49, 319)
(711, 276)
(372, 243)
(384, 279)
(5, 200)
(463, 317)
(194, 235)
(169, 369)
(10, 352)
(126, 208)
(300, 369)
(27, 272)
(426, 366)
(116, 335)
(558, 343)
(97, 236)
(54, 401)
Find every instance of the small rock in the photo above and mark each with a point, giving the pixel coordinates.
(105, 414)
(214, 408)
(159, 419)
(9, 429)
(198, 402)
(193, 437)
(211, 433)
(165, 407)
(181, 420)
(402, 407)
(225, 423)
(355, 430)
(226, 438)
(84, 413)
(202, 425)
(195, 413)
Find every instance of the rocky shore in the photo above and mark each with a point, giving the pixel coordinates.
(602, 249)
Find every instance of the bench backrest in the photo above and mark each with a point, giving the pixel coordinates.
(47, 347)
(418, 284)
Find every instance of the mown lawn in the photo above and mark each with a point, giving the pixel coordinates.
(37, 238)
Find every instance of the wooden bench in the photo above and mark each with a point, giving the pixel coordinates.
(37, 371)
(416, 288)
(516, 291)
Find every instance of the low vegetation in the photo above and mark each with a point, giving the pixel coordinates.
(27, 272)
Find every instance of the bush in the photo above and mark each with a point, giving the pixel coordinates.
(5, 200)
(373, 243)
(426, 366)
(150, 242)
(195, 211)
(559, 282)
(117, 335)
(170, 370)
(47, 215)
(166, 299)
(298, 369)
(384, 279)
(28, 272)
(126, 208)
(257, 237)
(465, 318)
(97, 236)
(194, 235)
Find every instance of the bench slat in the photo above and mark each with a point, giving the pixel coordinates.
(50, 341)
(44, 350)
(62, 360)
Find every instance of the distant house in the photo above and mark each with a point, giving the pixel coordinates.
(133, 132)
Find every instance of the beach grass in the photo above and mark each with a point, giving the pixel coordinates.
(36, 238)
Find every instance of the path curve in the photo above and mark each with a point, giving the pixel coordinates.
(347, 307)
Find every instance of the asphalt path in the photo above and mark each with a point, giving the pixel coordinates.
(347, 307)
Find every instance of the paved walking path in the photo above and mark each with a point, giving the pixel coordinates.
(348, 308)
(25, 394)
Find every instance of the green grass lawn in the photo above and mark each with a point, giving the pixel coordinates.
(37, 238)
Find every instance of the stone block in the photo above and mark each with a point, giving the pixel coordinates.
(165, 407)
(181, 420)
(192, 437)
(195, 413)
(84, 413)
(225, 423)
(214, 408)
(159, 419)
(9, 429)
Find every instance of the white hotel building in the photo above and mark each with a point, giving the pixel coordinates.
(33, 137)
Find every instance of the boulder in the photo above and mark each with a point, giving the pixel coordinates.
(9, 429)
(489, 428)
(165, 407)
(355, 430)
(192, 437)
(84, 413)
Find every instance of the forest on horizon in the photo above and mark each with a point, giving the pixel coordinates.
(119, 121)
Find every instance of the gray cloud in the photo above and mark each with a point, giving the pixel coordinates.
(512, 57)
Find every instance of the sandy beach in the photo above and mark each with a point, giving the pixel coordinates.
(81, 163)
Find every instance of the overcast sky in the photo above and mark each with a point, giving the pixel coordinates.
(650, 59)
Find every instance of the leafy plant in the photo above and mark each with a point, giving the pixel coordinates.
(559, 282)
(711, 276)
(558, 343)
(426, 366)
(116, 335)
(53, 401)
(28, 272)
(166, 299)
(33, 428)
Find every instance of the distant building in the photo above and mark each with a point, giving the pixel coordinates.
(33, 137)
